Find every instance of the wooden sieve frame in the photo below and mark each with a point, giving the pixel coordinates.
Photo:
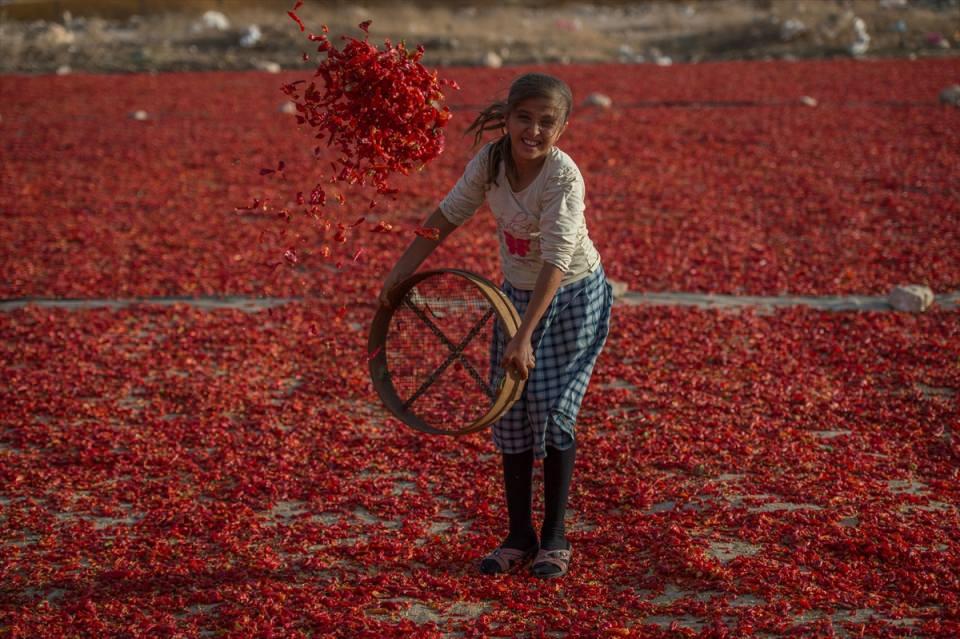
(510, 388)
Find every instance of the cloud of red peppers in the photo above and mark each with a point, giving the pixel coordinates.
(381, 111)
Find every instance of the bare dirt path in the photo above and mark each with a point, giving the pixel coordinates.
(946, 301)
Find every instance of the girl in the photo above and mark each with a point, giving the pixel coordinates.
(555, 280)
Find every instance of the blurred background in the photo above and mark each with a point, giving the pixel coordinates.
(63, 36)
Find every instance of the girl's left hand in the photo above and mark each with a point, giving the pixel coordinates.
(518, 356)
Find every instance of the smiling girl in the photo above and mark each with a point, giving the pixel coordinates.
(554, 278)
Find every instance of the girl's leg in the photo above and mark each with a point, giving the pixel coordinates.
(557, 473)
(517, 483)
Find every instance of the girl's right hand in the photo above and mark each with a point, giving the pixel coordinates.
(389, 284)
(420, 248)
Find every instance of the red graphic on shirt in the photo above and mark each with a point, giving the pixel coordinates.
(516, 246)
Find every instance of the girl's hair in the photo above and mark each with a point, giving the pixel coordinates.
(494, 117)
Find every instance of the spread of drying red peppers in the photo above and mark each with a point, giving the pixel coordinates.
(182, 471)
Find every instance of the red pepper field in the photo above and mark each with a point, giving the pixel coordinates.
(187, 470)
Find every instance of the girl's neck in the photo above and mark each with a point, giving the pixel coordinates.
(525, 172)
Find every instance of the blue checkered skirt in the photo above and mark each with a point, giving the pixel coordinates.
(565, 345)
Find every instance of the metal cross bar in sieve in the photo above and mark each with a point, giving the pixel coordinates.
(456, 352)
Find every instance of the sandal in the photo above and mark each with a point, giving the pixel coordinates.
(552, 563)
(506, 560)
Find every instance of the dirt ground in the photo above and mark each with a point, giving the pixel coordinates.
(461, 34)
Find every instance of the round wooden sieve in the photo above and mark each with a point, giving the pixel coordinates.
(430, 352)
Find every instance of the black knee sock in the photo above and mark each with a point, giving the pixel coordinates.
(557, 472)
(517, 481)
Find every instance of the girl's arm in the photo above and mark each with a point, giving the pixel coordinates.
(519, 352)
(415, 254)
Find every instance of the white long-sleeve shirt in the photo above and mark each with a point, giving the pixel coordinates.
(542, 223)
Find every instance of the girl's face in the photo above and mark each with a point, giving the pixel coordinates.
(534, 126)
